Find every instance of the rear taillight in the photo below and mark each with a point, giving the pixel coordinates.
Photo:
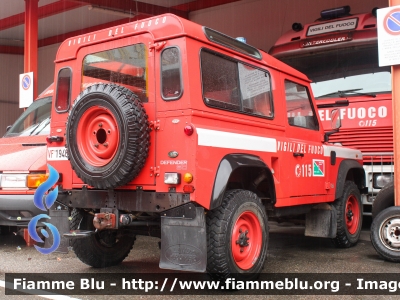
(188, 188)
(188, 130)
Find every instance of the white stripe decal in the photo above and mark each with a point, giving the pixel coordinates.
(343, 152)
(222, 139)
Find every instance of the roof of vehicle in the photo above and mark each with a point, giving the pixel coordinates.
(161, 28)
(49, 91)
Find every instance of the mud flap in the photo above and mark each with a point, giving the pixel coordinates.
(321, 221)
(59, 218)
(184, 241)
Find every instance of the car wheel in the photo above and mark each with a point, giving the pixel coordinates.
(237, 235)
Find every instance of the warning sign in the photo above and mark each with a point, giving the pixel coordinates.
(25, 89)
(318, 168)
(389, 35)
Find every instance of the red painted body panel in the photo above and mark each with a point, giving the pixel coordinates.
(23, 153)
(217, 132)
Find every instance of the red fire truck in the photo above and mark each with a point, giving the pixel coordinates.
(23, 163)
(167, 128)
(339, 53)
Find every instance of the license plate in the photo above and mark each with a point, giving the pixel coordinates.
(57, 153)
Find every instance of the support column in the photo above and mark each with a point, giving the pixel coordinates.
(31, 41)
(396, 122)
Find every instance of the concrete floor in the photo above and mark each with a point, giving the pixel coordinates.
(289, 252)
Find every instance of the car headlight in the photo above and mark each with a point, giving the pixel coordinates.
(380, 180)
(13, 181)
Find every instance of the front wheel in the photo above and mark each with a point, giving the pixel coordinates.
(385, 233)
(349, 216)
(237, 235)
(103, 249)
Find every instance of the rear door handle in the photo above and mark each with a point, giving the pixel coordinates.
(296, 154)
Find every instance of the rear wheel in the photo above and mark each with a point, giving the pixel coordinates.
(103, 249)
(237, 235)
(349, 216)
(385, 233)
(107, 136)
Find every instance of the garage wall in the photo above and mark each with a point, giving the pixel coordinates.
(47, 55)
(10, 68)
(261, 22)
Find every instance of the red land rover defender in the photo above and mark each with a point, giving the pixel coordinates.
(339, 53)
(23, 163)
(175, 130)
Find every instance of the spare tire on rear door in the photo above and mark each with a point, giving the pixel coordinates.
(107, 136)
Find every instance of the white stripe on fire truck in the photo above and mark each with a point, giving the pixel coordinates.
(223, 139)
(343, 152)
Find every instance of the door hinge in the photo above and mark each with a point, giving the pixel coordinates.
(154, 171)
(156, 46)
(154, 125)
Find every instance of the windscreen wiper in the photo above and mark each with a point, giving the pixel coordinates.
(44, 126)
(345, 93)
(37, 126)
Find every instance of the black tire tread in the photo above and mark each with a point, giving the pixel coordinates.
(93, 254)
(343, 238)
(217, 226)
(138, 140)
(383, 200)
(385, 253)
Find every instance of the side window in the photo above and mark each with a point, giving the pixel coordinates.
(232, 85)
(220, 81)
(255, 90)
(63, 92)
(171, 75)
(298, 105)
(126, 66)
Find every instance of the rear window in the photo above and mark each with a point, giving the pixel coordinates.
(235, 86)
(171, 78)
(126, 66)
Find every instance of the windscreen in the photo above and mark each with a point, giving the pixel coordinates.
(351, 68)
(34, 121)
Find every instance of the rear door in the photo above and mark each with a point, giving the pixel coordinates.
(128, 62)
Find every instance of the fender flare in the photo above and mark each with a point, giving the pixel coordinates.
(227, 166)
(344, 168)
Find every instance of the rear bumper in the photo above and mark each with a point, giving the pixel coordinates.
(17, 210)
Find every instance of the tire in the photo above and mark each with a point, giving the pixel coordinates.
(240, 223)
(107, 136)
(349, 216)
(383, 200)
(105, 248)
(385, 233)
